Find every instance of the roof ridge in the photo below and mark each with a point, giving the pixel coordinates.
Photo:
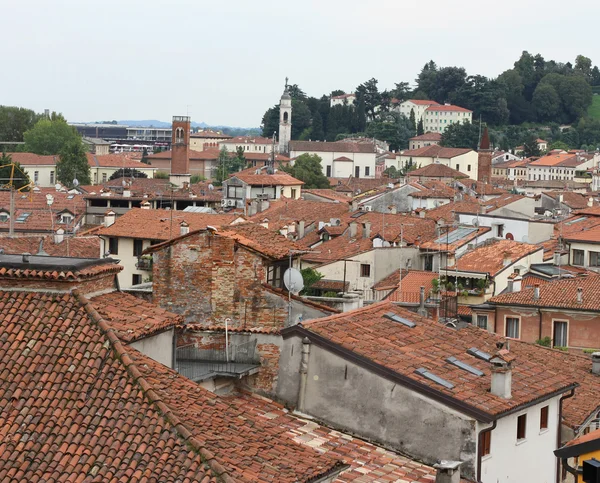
(130, 366)
(366, 308)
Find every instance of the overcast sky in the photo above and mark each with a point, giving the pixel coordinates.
(225, 62)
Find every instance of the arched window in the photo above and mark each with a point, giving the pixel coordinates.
(285, 117)
(179, 135)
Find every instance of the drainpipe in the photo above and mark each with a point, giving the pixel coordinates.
(540, 312)
(558, 441)
(491, 428)
(303, 373)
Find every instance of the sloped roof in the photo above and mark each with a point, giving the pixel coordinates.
(447, 107)
(208, 133)
(114, 161)
(259, 177)
(80, 247)
(489, 258)
(435, 151)
(393, 346)
(332, 147)
(411, 286)
(437, 170)
(561, 159)
(260, 239)
(575, 201)
(32, 159)
(328, 194)
(428, 136)
(591, 236)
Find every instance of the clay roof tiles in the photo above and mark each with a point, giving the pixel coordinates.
(489, 258)
(262, 178)
(411, 286)
(435, 151)
(436, 170)
(428, 136)
(80, 247)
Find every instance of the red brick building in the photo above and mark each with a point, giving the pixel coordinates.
(484, 170)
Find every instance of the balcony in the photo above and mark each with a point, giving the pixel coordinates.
(144, 264)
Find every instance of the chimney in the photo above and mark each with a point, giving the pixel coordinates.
(126, 193)
(596, 363)
(560, 198)
(184, 228)
(590, 202)
(301, 224)
(517, 283)
(510, 285)
(367, 229)
(186, 185)
(422, 311)
(579, 295)
(109, 218)
(353, 206)
(482, 210)
(507, 260)
(422, 214)
(447, 471)
(393, 209)
(353, 228)
(145, 205)
(536, 291)
(59, 236)
(502, 374)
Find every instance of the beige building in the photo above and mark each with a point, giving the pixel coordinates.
(460, 159)
(511, 170)
(207, 139)
(342, 100)
(418, 106)
(254, 144)
(424, 140)
(437, 118)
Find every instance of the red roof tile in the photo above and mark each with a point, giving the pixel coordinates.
(31, 159)
(489, 258)
(428, 136)
(447, 107)
(259, 177)
(436, 170)
(80, 247)
(435, 151)
(411, 286)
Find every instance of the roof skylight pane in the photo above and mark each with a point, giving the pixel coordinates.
(432, 377)
(463, 365)
(400, 320)
(475, 352)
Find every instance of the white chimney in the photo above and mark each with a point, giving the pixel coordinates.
(367, 229)
(447, 471)
(422, 214)
(560, 198)
(145, 205)
(393, 209)
(184, 228)
(502, 374)
(59, 236)
(579, 295)
(517, 283)
(590, 202)
(126, 193)
(596, 363)
(353, 206)
(301, 225)
(536, 292)
(507, 260)
(353, 229)
(109, 218)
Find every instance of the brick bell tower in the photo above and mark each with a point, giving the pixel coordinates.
(180, 155)
(484, 161)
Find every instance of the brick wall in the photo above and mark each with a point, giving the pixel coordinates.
(208, 278)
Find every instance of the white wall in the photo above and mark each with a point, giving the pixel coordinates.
(465, 163)
(158, 347)
(46, 174)
(535, 232)
(345, 168)
(530, 460)
(587, 248)
(127, 260)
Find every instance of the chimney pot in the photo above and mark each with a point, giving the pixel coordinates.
(447, 471)
(536, 291)
(26, 257)
(301, 225)
(353, 229)
(501, 376)
(596, 363)
(184, 228)
(579, 295)
(367, 229)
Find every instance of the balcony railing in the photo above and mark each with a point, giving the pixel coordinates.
(144, 264)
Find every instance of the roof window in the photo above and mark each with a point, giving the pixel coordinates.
(463, 365)
(400, 320)
(484, 356)
(432, 377)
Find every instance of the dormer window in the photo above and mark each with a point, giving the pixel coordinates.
(4, 216)
(66, 219)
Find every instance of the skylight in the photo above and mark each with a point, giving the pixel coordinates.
(484, 356)
(456, 235)
(23, 217)
(577, 220)
(454, 361)
(432, 377)
(400, 320)
(357, 214)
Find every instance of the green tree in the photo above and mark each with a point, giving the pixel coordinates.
(530, 146)
(595, 76)
(393, 128)
(427, 80)
(49, 137)
(14, 122)
(412, 119)
(308, 168)
(316, 130)
(420, 128)
(128, 173)
(401, 91)
(73, 164)
(369, 94)
(461, 135)
(197, 178)
(270, 121)
(546, 102)
(17, 177)
(583, 66)
(310, 276)
(145, 156)
(227, 164)
(576, 95)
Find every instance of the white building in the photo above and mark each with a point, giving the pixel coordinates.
(418, 106)
(285, 120)
(252, 144)
(460, 159)
(562, 166)
(437, 118)
(343, 100)
(340, 159)
(424, 140)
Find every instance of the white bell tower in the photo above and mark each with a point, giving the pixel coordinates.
(285, 120)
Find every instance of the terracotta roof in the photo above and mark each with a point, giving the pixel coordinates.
(260, 239)
(445, 212)
(355, 184)
(333, 285)
(513, 163)
(436, 170)
(575, 201)
(435, 151)
(394, 346)
(451, 247)
(248, 140)
(559, 294)
(584, 438)
(279, 178)
(577, 223)
(115, 161)
(489, 258)
(80, 247)
(208, 133)
(332, 147)
(31, 159)
(411, 286)
(391, 281)
(422, 102)
(562, 159)
(61, 275)
(133, 318)
(160, 224)
(591, 235)
(432, 189)
(343, 158)
(428, 136)
(328, 194)
(555, 184)
(483, 189)
(447, 107)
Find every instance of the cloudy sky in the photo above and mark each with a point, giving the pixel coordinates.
(225, 62)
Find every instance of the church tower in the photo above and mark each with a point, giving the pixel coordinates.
(180, 154)
(484, 162)
(285, 120)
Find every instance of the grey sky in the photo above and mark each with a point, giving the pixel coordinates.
(227, 60)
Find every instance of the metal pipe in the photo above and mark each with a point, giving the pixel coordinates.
(558, 430)
(479, 455)
(303, 373)
(227, 320)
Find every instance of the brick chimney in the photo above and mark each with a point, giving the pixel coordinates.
(447, 471)
(484, 159)
(502, 374)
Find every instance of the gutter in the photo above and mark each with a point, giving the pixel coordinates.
(558, 441)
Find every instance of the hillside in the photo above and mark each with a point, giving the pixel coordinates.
(594, 109)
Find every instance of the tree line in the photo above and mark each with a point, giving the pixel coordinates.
(533, 91)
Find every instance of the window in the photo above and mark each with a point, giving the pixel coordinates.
(521, 427)
(468, 167)
(500, 230)
(66, 219)
(482, 321)
(113, 246)
(136, 279)
(367, 170)
(365, 270)
(104, 177)
(512, 327)
(544, 418)
(594, 259)
(293, 193)
(578, 257)
(485, 443)
(328, 171)
(51, 177)
(138, 247)
(36, 176)
(457, 167)
(4, 217)
(559, 338)
(357, 172)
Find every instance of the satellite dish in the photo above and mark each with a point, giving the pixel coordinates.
(57, 186)
(475, 222)
(211, 187)
(525, 239)
(292, 278)
(75, 182)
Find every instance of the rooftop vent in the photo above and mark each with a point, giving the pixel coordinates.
(432, 377)
(400, 320)
(484, 356)
(463, 365)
